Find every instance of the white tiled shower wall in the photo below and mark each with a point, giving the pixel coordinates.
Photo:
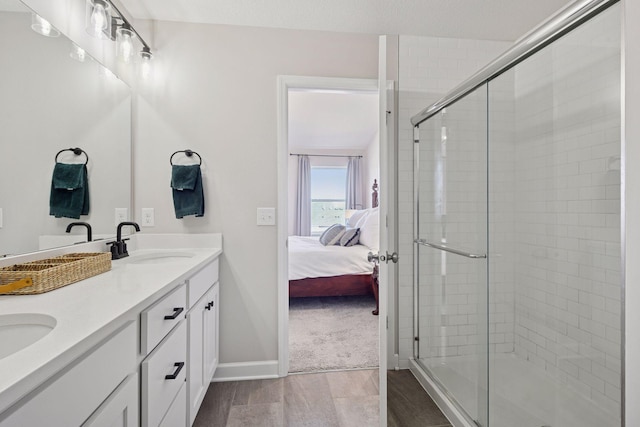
(428, 68)
(567, 216)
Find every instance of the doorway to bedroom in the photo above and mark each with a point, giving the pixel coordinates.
(333, 163)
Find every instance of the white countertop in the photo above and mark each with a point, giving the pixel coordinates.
(88, 311)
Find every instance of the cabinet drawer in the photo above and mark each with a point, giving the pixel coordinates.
(163, 373)
(177, 414)
(201, 281)
(157, 320)
(71, 397)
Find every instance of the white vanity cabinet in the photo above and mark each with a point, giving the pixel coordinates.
(120, 364)
(87, 386)
(203, 332)
(163, 342)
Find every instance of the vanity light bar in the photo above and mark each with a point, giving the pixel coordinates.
(125, 24)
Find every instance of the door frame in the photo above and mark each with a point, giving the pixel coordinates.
(285, 83)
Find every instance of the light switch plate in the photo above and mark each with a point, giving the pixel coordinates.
(266, 216)
(122, 214)
(148, 217)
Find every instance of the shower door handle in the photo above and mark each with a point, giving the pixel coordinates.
(371, 257)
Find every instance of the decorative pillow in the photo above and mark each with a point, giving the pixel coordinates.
(350, 237)
(332, 235)
(369, 230)
(356, 217)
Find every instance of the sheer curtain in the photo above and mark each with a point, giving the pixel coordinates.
(303, 200)
(353, 199)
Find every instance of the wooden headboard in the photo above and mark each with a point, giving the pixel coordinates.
(374, 194)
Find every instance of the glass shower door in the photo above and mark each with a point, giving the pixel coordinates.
(452, 337)
(555, 266)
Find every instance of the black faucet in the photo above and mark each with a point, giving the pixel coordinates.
(84, 224)
(119, 247)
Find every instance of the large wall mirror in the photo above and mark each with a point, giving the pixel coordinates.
(54, 98)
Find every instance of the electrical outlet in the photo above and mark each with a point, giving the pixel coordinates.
(148, 217)
(122, 214)
(266, 216)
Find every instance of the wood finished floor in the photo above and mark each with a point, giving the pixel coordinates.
(340, 399)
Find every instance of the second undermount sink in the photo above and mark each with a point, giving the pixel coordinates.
(18, 331)
(159, 257)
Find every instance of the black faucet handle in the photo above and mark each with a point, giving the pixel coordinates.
(115, 249)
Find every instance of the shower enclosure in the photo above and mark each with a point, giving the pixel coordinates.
(518, 287)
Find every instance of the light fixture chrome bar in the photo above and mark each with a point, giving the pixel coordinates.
(128, 24)
(553, 28)
(448, 249)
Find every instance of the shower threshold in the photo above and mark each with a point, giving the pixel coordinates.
(522, 394)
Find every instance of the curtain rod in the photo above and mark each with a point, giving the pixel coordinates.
(322, 155)
(550, 30)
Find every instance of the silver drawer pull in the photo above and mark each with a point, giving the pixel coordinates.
(179, 366)
(448, 249)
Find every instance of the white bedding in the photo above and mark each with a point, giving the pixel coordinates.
(309, 258)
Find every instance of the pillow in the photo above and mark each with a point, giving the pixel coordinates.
(370, 231)
(350, 237)
(332, 235)
(356, 217)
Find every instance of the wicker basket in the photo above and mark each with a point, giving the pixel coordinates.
(53, 273)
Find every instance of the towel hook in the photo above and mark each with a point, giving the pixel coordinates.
(188, 153)
(77, 151)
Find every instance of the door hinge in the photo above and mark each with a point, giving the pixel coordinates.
(387, 322)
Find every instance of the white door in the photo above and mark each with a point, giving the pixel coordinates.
(387, 219)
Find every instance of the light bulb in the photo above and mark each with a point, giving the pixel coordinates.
(145, 63)
(124, 41)
(98, 20)
(98, 17)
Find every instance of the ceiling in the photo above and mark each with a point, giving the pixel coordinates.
(475, 19)
(332, 120)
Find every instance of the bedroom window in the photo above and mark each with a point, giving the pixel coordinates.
(328, 187)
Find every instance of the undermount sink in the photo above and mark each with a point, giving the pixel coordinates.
(159, 257)
(18, 331)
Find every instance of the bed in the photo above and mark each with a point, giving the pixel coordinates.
(316, 270)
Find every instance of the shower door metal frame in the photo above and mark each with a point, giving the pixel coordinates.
(559, 24)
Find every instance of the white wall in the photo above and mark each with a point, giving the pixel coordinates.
(214, 91)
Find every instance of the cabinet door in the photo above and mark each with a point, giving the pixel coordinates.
(196, 384)
(177, 414)
(212, 333)
(120, 409)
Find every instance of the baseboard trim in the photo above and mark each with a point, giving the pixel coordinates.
(246, 371)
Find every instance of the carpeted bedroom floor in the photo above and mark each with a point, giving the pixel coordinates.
(332, 333)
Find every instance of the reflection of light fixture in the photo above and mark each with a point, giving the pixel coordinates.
(98, 19)
(42, 26)
(77, 53)
(124, 42)
(145, 62)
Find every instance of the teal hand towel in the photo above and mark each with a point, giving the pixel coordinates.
(69, 196)
(188, 195)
